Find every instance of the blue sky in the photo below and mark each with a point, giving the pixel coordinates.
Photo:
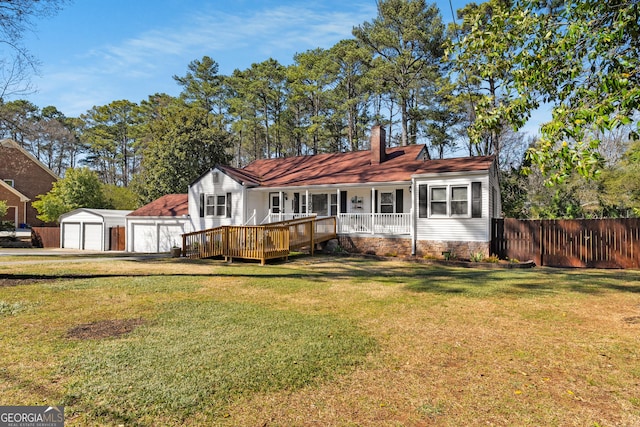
(97, 51)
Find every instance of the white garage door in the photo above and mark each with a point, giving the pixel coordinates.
(170, 235)
(93, 237)
(145, 238)
(71, 235)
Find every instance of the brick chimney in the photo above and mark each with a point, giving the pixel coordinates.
(378, 145)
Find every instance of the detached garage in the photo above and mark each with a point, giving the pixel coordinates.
(89, 229)
(158, 226)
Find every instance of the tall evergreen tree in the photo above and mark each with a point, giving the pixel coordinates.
(406, 40)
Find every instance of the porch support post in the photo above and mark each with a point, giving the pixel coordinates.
(339, 207)
(414, 209)
(306, 195)
(281, 196)
(373, 210)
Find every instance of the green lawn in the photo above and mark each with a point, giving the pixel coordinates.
(320, 341)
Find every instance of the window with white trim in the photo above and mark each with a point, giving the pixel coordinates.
(9, 182)
(459, 201)
(445, 201)
(333, 206)
(438, 201)
(217, 205)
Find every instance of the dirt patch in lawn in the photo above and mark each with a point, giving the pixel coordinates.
(104, 329)
(7, 280)
(633, 320)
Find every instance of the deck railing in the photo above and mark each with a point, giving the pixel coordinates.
(374, 223)
(259, 242)
(273, 218)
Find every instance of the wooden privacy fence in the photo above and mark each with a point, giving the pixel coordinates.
(261, 242)
(46, 237)
(592, 243)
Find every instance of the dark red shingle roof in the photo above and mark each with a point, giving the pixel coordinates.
(169, 205)
(355, 168)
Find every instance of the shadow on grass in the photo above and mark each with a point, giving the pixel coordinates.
(418, 278)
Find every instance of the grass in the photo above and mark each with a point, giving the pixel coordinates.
(323, 341)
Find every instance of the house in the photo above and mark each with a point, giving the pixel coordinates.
(22, 178)
(89, 229)
(159, 225)
(387, 201)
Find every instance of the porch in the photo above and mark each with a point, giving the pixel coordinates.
(396, 224)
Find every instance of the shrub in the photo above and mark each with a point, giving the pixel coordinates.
(477, 257)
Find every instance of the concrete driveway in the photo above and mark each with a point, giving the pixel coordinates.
(71, 255)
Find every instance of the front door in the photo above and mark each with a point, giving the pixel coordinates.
(274, 202)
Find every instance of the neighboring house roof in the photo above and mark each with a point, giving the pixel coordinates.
(6, 187)
(9, 143)
(356, 167)
(172, 205)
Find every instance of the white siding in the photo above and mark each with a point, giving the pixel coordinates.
(155, 234)
(460, 229)
(169, 235)
(258, 201)
(224, 185)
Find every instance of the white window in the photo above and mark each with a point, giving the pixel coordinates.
(459, 201)
(450, 201)
(438, 201)
(303, 204)
(216, 205)
(9, 182)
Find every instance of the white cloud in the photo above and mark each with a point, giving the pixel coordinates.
(142, 65)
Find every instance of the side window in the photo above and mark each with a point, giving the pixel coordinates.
(438, 201)
(216, 205)
(221, 205)
(210, 205)
(459, 201)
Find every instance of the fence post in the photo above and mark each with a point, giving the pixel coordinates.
(541, 248)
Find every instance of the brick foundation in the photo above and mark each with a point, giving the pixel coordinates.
(460, 250)
(402, 247)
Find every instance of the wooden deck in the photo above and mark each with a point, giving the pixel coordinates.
(260, 242)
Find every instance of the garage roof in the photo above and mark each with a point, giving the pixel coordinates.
(171, 205)
(105, 214)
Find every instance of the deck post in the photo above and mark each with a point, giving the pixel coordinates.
(312, 224)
